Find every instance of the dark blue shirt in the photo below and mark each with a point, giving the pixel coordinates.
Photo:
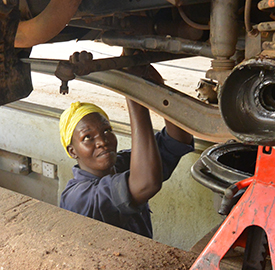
(108, 198)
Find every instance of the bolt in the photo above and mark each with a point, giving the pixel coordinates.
(64, 89)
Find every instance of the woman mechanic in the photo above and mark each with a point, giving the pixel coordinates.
(115, 187)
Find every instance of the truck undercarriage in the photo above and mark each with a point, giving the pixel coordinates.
(235, 35)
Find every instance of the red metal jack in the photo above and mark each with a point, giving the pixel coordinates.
(255, 207)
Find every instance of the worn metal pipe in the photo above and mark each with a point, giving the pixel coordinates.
(224, 28)
(115, 63)
(155, 43)
(190, 22)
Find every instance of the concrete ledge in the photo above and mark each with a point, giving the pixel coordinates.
(46, 111)
(37, 235)
(119, 127)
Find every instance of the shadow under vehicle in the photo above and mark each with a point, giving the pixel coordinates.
(237, 93)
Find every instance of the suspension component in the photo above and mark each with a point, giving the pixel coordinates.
(223, 45)
(67, 71)
(247, 101)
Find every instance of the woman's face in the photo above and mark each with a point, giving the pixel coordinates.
(94, 145)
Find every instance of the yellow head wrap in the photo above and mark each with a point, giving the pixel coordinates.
(70, 118)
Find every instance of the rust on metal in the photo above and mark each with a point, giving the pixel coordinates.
(15, 82)
(266, 4)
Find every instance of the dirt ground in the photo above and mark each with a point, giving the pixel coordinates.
(183, 75)
(39, 236)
